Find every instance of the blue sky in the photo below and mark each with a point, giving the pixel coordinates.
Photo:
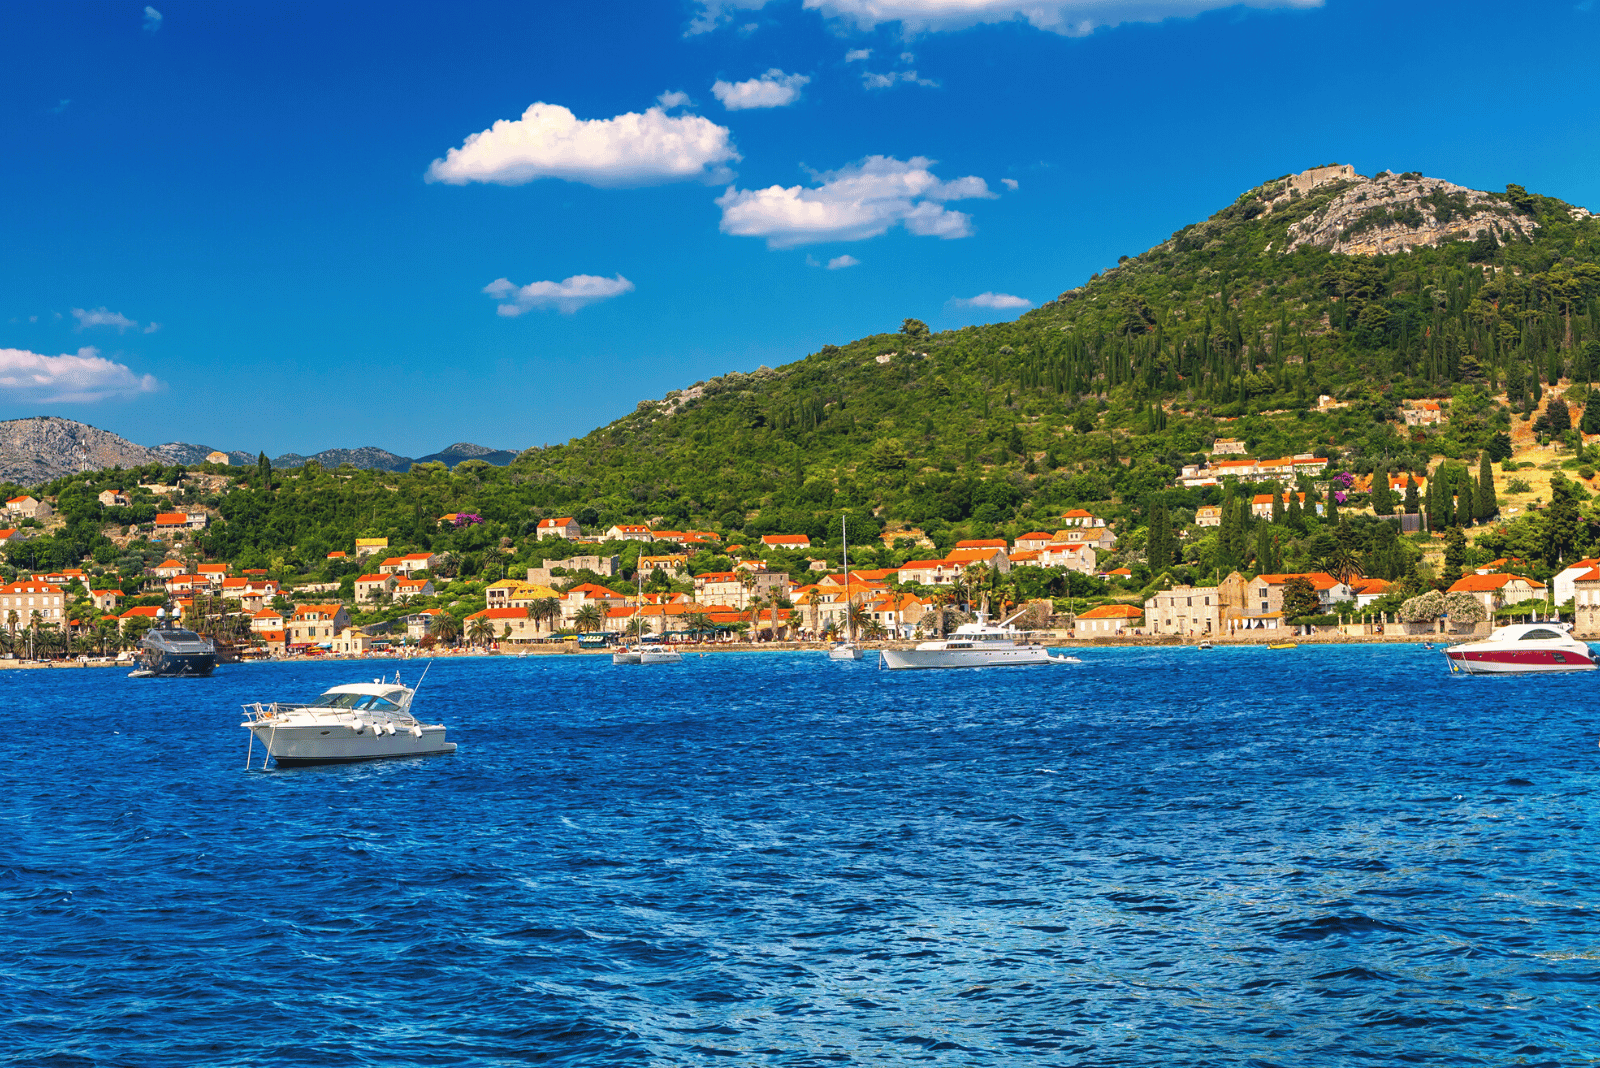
(299, 226)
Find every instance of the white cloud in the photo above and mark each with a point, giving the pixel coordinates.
(857, 53)
(907, 57)
(1071, 17)
(884, 81)
(103, 316)
(152, 328)
(773, 89)
(83, 378)
(674, 99)
(1009, 183)
(853, 203)
(549, 141)
(714, 13)
(567, 295)
(997, 301)
(839, 263)
(152, 19)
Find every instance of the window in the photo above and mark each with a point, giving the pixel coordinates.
(1541, 635)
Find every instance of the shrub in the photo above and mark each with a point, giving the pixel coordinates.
(1585, 472)
(1518, 485)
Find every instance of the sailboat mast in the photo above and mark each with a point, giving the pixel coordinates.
(844, 537)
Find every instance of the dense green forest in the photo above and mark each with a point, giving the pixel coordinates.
(1095, 399)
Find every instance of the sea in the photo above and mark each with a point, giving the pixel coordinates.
(1163, 856)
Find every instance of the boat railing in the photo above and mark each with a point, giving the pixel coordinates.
(263, 711)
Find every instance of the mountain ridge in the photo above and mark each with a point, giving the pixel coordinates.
(39, 449)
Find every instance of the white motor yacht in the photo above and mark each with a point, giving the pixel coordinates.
(980, 644)
(1522, 647)
(358, 721)
(624, 655)
(660, 654)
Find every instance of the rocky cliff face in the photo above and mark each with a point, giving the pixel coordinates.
(1395, 212)
(44, 448)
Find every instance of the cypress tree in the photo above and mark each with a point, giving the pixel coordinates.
(1447, 498)
(1435, 513)
(1158, 547)
(1382, 495)
(1488, 506)
(1411, 502)
(1297, 516)
(1277, 507)
(1467, 506)
(1263, 548)
(1330, 508)
(1591, 415)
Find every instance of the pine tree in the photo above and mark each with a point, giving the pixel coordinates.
(1411, 502)
(1488, 507)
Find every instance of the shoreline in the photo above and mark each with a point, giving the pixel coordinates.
(567, 649)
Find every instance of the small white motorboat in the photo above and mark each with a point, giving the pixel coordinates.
(972, 645)
(624, 655)
(844, 651)
(357, 721)
(1522, 648)
(659, 654)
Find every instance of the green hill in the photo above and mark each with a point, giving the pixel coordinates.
(1366, 290)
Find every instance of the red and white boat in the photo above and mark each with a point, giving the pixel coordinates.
(1523, 647)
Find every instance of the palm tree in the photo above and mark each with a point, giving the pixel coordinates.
(756, 604)
(856, 617)
(545, 611)
(446, 628)
(1341, 563)
(699, 623)
(978, 577)
(637, 627)
(812, 600)
(590, 618)
(480, 631)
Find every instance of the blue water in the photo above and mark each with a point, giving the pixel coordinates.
(1327, 856)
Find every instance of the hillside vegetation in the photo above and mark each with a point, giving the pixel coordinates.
(1234, 327)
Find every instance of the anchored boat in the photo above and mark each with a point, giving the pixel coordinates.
(1520, 648)
(357, 721)
(980, 644)
(173, 652)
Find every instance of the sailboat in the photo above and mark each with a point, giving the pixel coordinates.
(847, 649)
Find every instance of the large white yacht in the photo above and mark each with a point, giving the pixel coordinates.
(1520, 648)
(358, 721)
(980, 644)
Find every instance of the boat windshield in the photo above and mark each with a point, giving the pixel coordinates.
(1541, 634)
(356, 702)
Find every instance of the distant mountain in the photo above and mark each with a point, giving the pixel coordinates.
(43, 448)
(465, 450)
(46, 447)
(181, 452)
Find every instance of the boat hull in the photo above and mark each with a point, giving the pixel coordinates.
(340, 744)
(1473, 661)
(165, 665)
(847, 653)
(927, 659)
(660, 656)
(624, 658)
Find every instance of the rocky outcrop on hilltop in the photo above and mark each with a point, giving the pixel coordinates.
(46, 447)
(1396, 212)
(181, 452)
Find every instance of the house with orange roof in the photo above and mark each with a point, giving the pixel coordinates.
(28, 507)
(1076, 556)
(1367, 590)
(420, 624)
(564, 527)
(9, 535)
(785, 541)
(1033, 542)
(1506, 562)
(1422, 413)
(674, 567)
(409, 564)
(1107, 621)
(1563, 582)
(112, 498)
(629, 532)
(1261, 504)
(107, 600)
(188, 584)
(337, 554)
(316, 624)
(28, 596)
(993, 556)
(1586, 603)
(1497, 591)
(1099, 537)
(1119, 572)
(1078, 517)
(931, 572)
(177, 521)
(143, 611)
(512, 626)
(214, 573)
(265, 619)
(405, 586)
(1265, 592)
(167, 569)
(370, 587)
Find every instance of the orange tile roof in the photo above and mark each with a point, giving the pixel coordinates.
(982, 543)
(785, 539)
(1320, 580)
(374, 578)
(337, 554)
(144, 611)
(167, 519)
(1113, 611)
(1485, 583)
(1077, 513)
(563, 521)
(500, 613)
